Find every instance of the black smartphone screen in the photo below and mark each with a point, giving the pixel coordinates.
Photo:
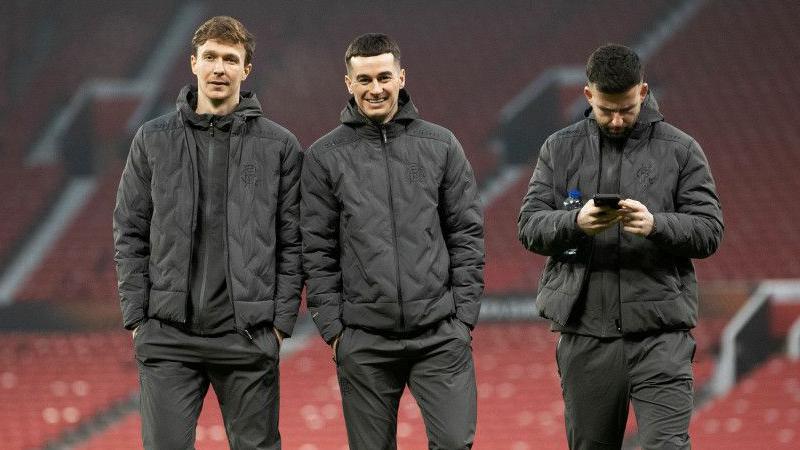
(608, 200)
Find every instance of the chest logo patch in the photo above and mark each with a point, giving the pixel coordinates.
(646, 175)
(249, 174)
(415, 173)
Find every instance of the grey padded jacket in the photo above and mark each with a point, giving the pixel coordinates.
(156, 210)
(666, 170)
(392, 226)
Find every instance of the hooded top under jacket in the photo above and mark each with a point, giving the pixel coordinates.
(392, 226)
(663, 168)
(156, 213)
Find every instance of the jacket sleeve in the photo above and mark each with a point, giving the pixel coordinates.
(319, 211)
(132, 214)
(462, 225)
(542, 227)
(695, 229)
(289, 263)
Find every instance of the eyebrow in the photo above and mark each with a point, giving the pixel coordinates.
(224, 55)
(623, 109)
(382, 74)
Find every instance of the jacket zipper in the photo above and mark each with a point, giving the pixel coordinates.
(618, 321)
(385, 141)
(602, 274)
(209, 168)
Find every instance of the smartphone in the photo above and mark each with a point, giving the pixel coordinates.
(607, 200)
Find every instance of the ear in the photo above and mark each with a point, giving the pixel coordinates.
(402, 78)
(193, 63)
(348, 83)
(587, 92)
(247, 69)
(643, 91)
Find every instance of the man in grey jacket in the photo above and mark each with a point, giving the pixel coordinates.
(207, 241)
(619, 282)
(393, 251)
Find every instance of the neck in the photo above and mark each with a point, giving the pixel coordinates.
(218, 108)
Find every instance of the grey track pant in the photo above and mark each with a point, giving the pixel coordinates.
(599, 377)
(436, 365)
(175, 370)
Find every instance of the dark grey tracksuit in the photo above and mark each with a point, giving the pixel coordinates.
(393, 250)
(624, 304)
(209, 324)
(176, 369)
(436, 364)
(650, 370)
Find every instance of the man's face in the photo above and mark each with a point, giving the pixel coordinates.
(220, 70)
(375, 82)
(616, 114)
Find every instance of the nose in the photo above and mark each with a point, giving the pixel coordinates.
(375, 87)
(218, 67)
(616, 120)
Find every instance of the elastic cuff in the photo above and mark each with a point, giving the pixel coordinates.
(332, 331)
(461, 314)
(285, 326)
(132, 325)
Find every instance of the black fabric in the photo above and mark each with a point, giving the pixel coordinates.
(436, 365)
(176, 369)
(663, 168)
(392, 226)
(597, 311)
(212, 310)
(601, 377)
(155, 220)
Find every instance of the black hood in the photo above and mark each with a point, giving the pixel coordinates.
(406, 111)
(186, 103)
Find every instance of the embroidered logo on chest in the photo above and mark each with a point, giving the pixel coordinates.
(646, 175)
(249, 175)
(415, 173)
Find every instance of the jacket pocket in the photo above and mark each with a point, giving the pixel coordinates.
(254, 314)
(337, 355)
(167, 305)
(439, 257)
(355, 282)
(266, 341)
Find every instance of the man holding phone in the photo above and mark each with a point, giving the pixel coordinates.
(625, 300)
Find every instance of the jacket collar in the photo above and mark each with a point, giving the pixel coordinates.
(248, 107)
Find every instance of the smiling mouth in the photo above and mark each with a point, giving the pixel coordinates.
(218, 83)
(375, 101)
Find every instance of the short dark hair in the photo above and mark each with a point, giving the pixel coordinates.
(614, 69)
(372, 44)
(228, 30)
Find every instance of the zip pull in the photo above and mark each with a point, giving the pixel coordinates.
(211, 129)
(383, 135)
(245, 333)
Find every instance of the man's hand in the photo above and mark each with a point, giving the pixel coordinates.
(279, 335)
(596, 219)
(636, 219)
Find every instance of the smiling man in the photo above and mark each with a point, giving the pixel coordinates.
(619, 284)
(207, 240)
(393, 251)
